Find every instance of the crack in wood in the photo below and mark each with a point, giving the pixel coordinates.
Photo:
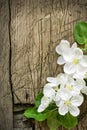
(10, 51)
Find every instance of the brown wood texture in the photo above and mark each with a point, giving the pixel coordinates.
(37, 26)
(6, 112)
(30, 31)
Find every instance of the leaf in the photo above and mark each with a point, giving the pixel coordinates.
(38, 100)
(53, 122)
(68, 121)
(80, 32)
(32, 113)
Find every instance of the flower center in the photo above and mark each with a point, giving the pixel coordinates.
(56, 88)
(68, 103)
(45, 98)
(69, 87)
(75, 61)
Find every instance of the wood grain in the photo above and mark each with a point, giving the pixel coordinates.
(6, 113)
(37, 26)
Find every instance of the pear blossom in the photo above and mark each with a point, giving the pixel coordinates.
(49, 92)
(70, 104)
(66, 89)
(45, 101)
(61, 89)
(69, 86)
(75, 63)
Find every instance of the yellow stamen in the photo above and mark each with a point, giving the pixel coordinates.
(69, 87)
(75, 61)
(67, 102)
(56, 88)
(45, 98)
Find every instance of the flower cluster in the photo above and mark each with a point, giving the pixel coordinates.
(66, 90)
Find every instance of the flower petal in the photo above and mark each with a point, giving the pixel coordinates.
(53, 80)
(80, 83)
(60, 60)
(42, 108)
(63, 45)
(84, 61)
(45, 100)
(60, 102)
(48, 92)
(84, 90)
(44, 103)
(81, 70)
(74, 46)
(50, 85)
(78, 53)
(68, 54)
(64, 94)
(63, 110)
(75, 91)
(69, 68)
(74, 111)
(77, 100)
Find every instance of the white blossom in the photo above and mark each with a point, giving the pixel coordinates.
(70, 104)
(73, 58)
(45, 101)
(66, 89)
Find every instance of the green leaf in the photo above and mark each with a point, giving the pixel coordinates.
(68, 121)
(32, 113)
(80, 32)
(38, 100)
(53, 122)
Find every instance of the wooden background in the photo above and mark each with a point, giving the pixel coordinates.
(29, 33)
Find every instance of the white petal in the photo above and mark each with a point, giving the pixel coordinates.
(84, 90)
(78, 53)
(52, 80)
(44, 103)
(60, 60)
(69, 68)
(63, 45)
(45, 100)
(63, 78)
(59, 103)
(75, 91)
(64, 94)
(84, 61)
(74, 111)
(80, 83)
(48, 92)
(63, 110)
(68, 54)
(41, 108)
(77, 100)
(81, 70)
(74, 46)
(50, 85)
(78, 76)
(56, 98)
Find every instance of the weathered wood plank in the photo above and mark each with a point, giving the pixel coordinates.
(6, 114)
(20, 123)
(36, 28)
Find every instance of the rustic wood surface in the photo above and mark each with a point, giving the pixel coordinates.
(30, 31)
(6, 111)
